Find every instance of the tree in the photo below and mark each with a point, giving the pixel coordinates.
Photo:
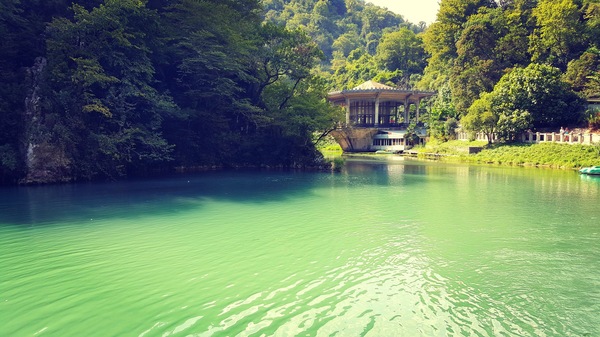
(534, 96)
(511, 123)
(489, 116)
(539, 91)
(440, 39)
(11, 89)
(481, 118)
(106, 114)
(591, 15)
(442, 110)
(356, 69)
(491, 42)
(557, 36)
(286, 54)
(401, 50)
(582, 73)
(346, 43)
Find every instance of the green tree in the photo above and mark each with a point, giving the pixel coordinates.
(479, 63)
(582, 73)
(10, 91)
(442, 110)
(539, 91)
(208, 69)
(401, 50)
(557, 37)
(481, 118)
(516, 24)
(103, 107)
(591, 14)
(346, 43)
(440, 39)
(359, 67)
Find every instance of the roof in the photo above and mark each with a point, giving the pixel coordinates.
(373, 90)
(372, 85)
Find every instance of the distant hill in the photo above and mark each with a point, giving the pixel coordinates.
(338, 26)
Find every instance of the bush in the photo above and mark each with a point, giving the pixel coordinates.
(593, 119)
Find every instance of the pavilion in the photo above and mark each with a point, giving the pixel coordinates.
(377, 117)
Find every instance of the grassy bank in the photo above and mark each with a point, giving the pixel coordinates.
(553, 155)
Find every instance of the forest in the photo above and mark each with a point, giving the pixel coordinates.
(104, 89)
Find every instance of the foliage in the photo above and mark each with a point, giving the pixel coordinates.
(356, 69)
(542, 154)
(337, 26)
(481, 118)
(484, 52)
(567, 156)
(593, 119)
(530, 97)
(133, 86)
(411, 136)
(101, 81)
(473, 44)
(441, 38)
(582, 73)
(557, 36)
(138, 85)
(539, 90)
(401, 50)
(442, 110)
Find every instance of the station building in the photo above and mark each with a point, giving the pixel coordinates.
(377, 117)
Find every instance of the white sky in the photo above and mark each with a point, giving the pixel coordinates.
(412, 10)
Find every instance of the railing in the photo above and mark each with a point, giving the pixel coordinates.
(380, 125)
(560, 137)
(541, 137)
(478, 136)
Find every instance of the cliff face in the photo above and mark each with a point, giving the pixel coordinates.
(46, 161)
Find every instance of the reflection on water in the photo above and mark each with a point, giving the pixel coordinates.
(383, 248)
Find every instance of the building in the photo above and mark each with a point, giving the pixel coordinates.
(593, 104)
(377, 117)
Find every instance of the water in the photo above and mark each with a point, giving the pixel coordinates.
(399, 248)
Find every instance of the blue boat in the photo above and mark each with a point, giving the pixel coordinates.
(593, 170)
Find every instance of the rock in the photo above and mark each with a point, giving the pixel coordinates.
(46, 161)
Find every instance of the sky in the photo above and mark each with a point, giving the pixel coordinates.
(414, 11)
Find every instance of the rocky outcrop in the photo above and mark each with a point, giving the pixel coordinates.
(46, 161)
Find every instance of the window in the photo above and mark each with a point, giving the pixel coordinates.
(390, 113)
(362, 112)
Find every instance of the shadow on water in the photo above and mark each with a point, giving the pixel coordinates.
(36, 205)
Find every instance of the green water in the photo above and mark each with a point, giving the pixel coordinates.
(400, 248)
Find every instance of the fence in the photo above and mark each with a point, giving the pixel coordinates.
(541, 137)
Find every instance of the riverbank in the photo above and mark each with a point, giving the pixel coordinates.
(550, 155)
(553, 155)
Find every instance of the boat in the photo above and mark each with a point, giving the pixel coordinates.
(592, 170)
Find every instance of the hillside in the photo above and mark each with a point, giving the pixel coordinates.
(360, 41)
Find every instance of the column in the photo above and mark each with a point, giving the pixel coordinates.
(406, 111)
(377, 110)
(418, 105)
(347, 111)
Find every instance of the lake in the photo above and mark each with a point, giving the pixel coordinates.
(382, 248)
